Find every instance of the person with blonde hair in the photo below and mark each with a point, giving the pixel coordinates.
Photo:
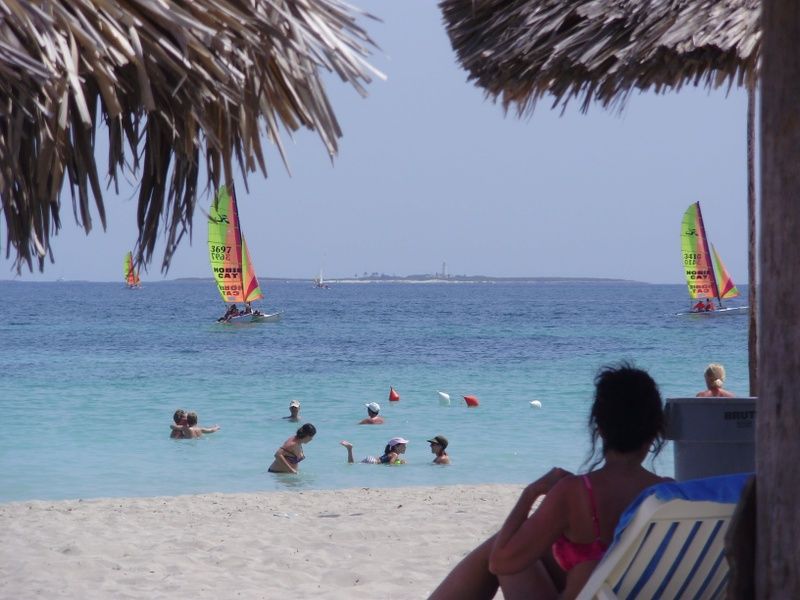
(186, 426)
(715, 377)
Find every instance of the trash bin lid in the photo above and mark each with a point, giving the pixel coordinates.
(711, 419)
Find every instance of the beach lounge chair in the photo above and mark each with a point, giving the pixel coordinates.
(669, 543)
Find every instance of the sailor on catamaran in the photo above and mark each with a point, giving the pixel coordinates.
(232, 311)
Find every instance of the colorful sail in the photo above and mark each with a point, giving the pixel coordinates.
(696, 257)
(230, 260)
(725, 285)
(706, 276)
(130, 271)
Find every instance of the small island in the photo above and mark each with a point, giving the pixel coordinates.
(376, 277)
(446, 278)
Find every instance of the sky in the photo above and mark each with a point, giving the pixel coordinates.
(430, 171)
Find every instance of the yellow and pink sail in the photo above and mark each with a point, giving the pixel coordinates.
(706, 276)
(230, 260)
(130, 271)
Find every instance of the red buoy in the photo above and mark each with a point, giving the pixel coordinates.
(471, 401)
(393, 395)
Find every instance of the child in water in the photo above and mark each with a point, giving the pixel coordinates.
(392, 454)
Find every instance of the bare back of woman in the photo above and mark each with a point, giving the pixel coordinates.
(715, 378)
(552, 551)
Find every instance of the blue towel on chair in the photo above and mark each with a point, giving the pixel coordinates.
(725, 488)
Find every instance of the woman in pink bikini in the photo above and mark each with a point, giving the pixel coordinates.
(551, 552)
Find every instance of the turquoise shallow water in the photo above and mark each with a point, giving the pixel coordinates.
(92, 372)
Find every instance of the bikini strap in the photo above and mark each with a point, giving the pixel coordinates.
(590, 491)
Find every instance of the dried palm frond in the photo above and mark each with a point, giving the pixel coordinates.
(601, 50)
(171, 83)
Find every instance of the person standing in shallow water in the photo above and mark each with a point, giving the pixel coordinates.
(294, 411)
(289, 456)
(193, 430)
(552, 552)
(176, 430)
(439, 448)
(715, 378)
(373, 418)
(186, 426)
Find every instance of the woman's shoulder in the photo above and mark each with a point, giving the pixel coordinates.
(567, 486)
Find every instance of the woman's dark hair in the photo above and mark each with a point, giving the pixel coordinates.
(627, 411)
(307, 430)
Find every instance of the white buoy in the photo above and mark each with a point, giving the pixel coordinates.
(536, 404)
(444, 398)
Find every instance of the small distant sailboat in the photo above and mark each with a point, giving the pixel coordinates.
(319, 282)
(230, 261)
(706, 276)
(131, 272)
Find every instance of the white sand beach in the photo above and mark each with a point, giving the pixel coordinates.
(356, 543)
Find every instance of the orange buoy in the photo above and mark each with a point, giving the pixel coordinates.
(393, 395)
(471, 401)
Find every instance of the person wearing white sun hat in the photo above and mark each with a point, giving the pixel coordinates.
(373, 418)
(294, 411)
(392, 454)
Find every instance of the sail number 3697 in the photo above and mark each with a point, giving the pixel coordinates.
(219, 252)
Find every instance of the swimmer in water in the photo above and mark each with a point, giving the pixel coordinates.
(392, 454)
(290, 454)
(439, 448)
(373, 418)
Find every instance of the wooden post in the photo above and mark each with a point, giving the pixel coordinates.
(778, 422)
(752, 329)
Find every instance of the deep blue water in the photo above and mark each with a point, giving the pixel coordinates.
(90, 374)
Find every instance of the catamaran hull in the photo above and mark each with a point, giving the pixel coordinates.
(720, 312)
(262, 318)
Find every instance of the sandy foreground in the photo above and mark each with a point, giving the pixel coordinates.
(393, 543)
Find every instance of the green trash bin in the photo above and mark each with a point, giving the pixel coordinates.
(712, 436)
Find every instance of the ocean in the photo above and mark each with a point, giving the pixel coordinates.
(92, 372)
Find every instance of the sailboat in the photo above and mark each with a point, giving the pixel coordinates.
(130, 272)
(319, 282)
(706, 275)
(230, 261)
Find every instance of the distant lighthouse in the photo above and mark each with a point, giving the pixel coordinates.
(444, 270)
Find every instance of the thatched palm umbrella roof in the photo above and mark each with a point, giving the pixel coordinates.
(177, 83)
(519, 51)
